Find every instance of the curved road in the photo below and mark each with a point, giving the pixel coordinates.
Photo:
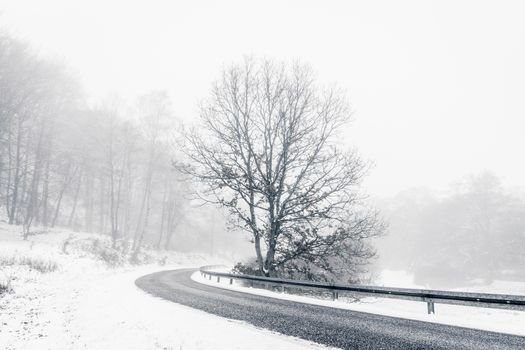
(330, 326)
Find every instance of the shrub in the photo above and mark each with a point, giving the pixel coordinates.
(5, 287)
(139, 257)
(66, 243)
(247, 269)
(110, 256)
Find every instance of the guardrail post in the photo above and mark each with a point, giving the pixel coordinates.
(335, 295)
(218, 279)
(231, 280)
(430, 307)
(209, 278)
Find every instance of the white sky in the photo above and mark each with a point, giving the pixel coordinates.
(438, 88)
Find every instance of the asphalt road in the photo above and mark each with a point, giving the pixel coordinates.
(330, 326)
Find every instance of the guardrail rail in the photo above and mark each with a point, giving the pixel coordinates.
(431, 297)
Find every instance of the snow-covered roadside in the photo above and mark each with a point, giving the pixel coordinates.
(86, 305)
(114, 314)
(503, 321)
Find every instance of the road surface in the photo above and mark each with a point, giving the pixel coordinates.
(324, 325)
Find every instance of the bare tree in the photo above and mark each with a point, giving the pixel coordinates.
(174, 209)
(155, 113)
(267, 151)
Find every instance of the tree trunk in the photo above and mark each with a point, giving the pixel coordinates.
(88, 202)
(139, 232)
(163, 214)
(33, 196)
(67, 181)
(16, 179)
(75, 201)
(9, 171)
(170, 231)
(45, 196)
(101, 223)
(146, 220)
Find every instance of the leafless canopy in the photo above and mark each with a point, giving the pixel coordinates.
(267, 151)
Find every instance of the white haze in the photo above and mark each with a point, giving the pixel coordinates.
(106, 190)
(437, 87)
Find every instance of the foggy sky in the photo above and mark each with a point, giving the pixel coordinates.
(437, 87)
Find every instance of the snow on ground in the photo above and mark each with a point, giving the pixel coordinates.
(84, 304)
(504, 321)
(403, 279)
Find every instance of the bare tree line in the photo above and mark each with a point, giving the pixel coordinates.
(105, 168)
(474, 232)
(266, 151)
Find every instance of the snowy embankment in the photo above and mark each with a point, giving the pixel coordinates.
(69, 298)
(497, 320)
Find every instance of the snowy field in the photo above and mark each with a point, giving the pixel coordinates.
(497, 320)
(84, 304)
(67, 297)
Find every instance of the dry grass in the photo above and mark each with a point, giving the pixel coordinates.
(34, 263)
(5, 287)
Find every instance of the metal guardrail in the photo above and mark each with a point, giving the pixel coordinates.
(498, 301)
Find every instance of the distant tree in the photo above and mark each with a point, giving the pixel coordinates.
(155, 121)
(477, 231)
(63, 163)
(173, 209)
(266, 150)
(34, 94)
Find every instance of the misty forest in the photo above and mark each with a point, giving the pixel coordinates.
(254, 189)
(264, 156)
(105, 168)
